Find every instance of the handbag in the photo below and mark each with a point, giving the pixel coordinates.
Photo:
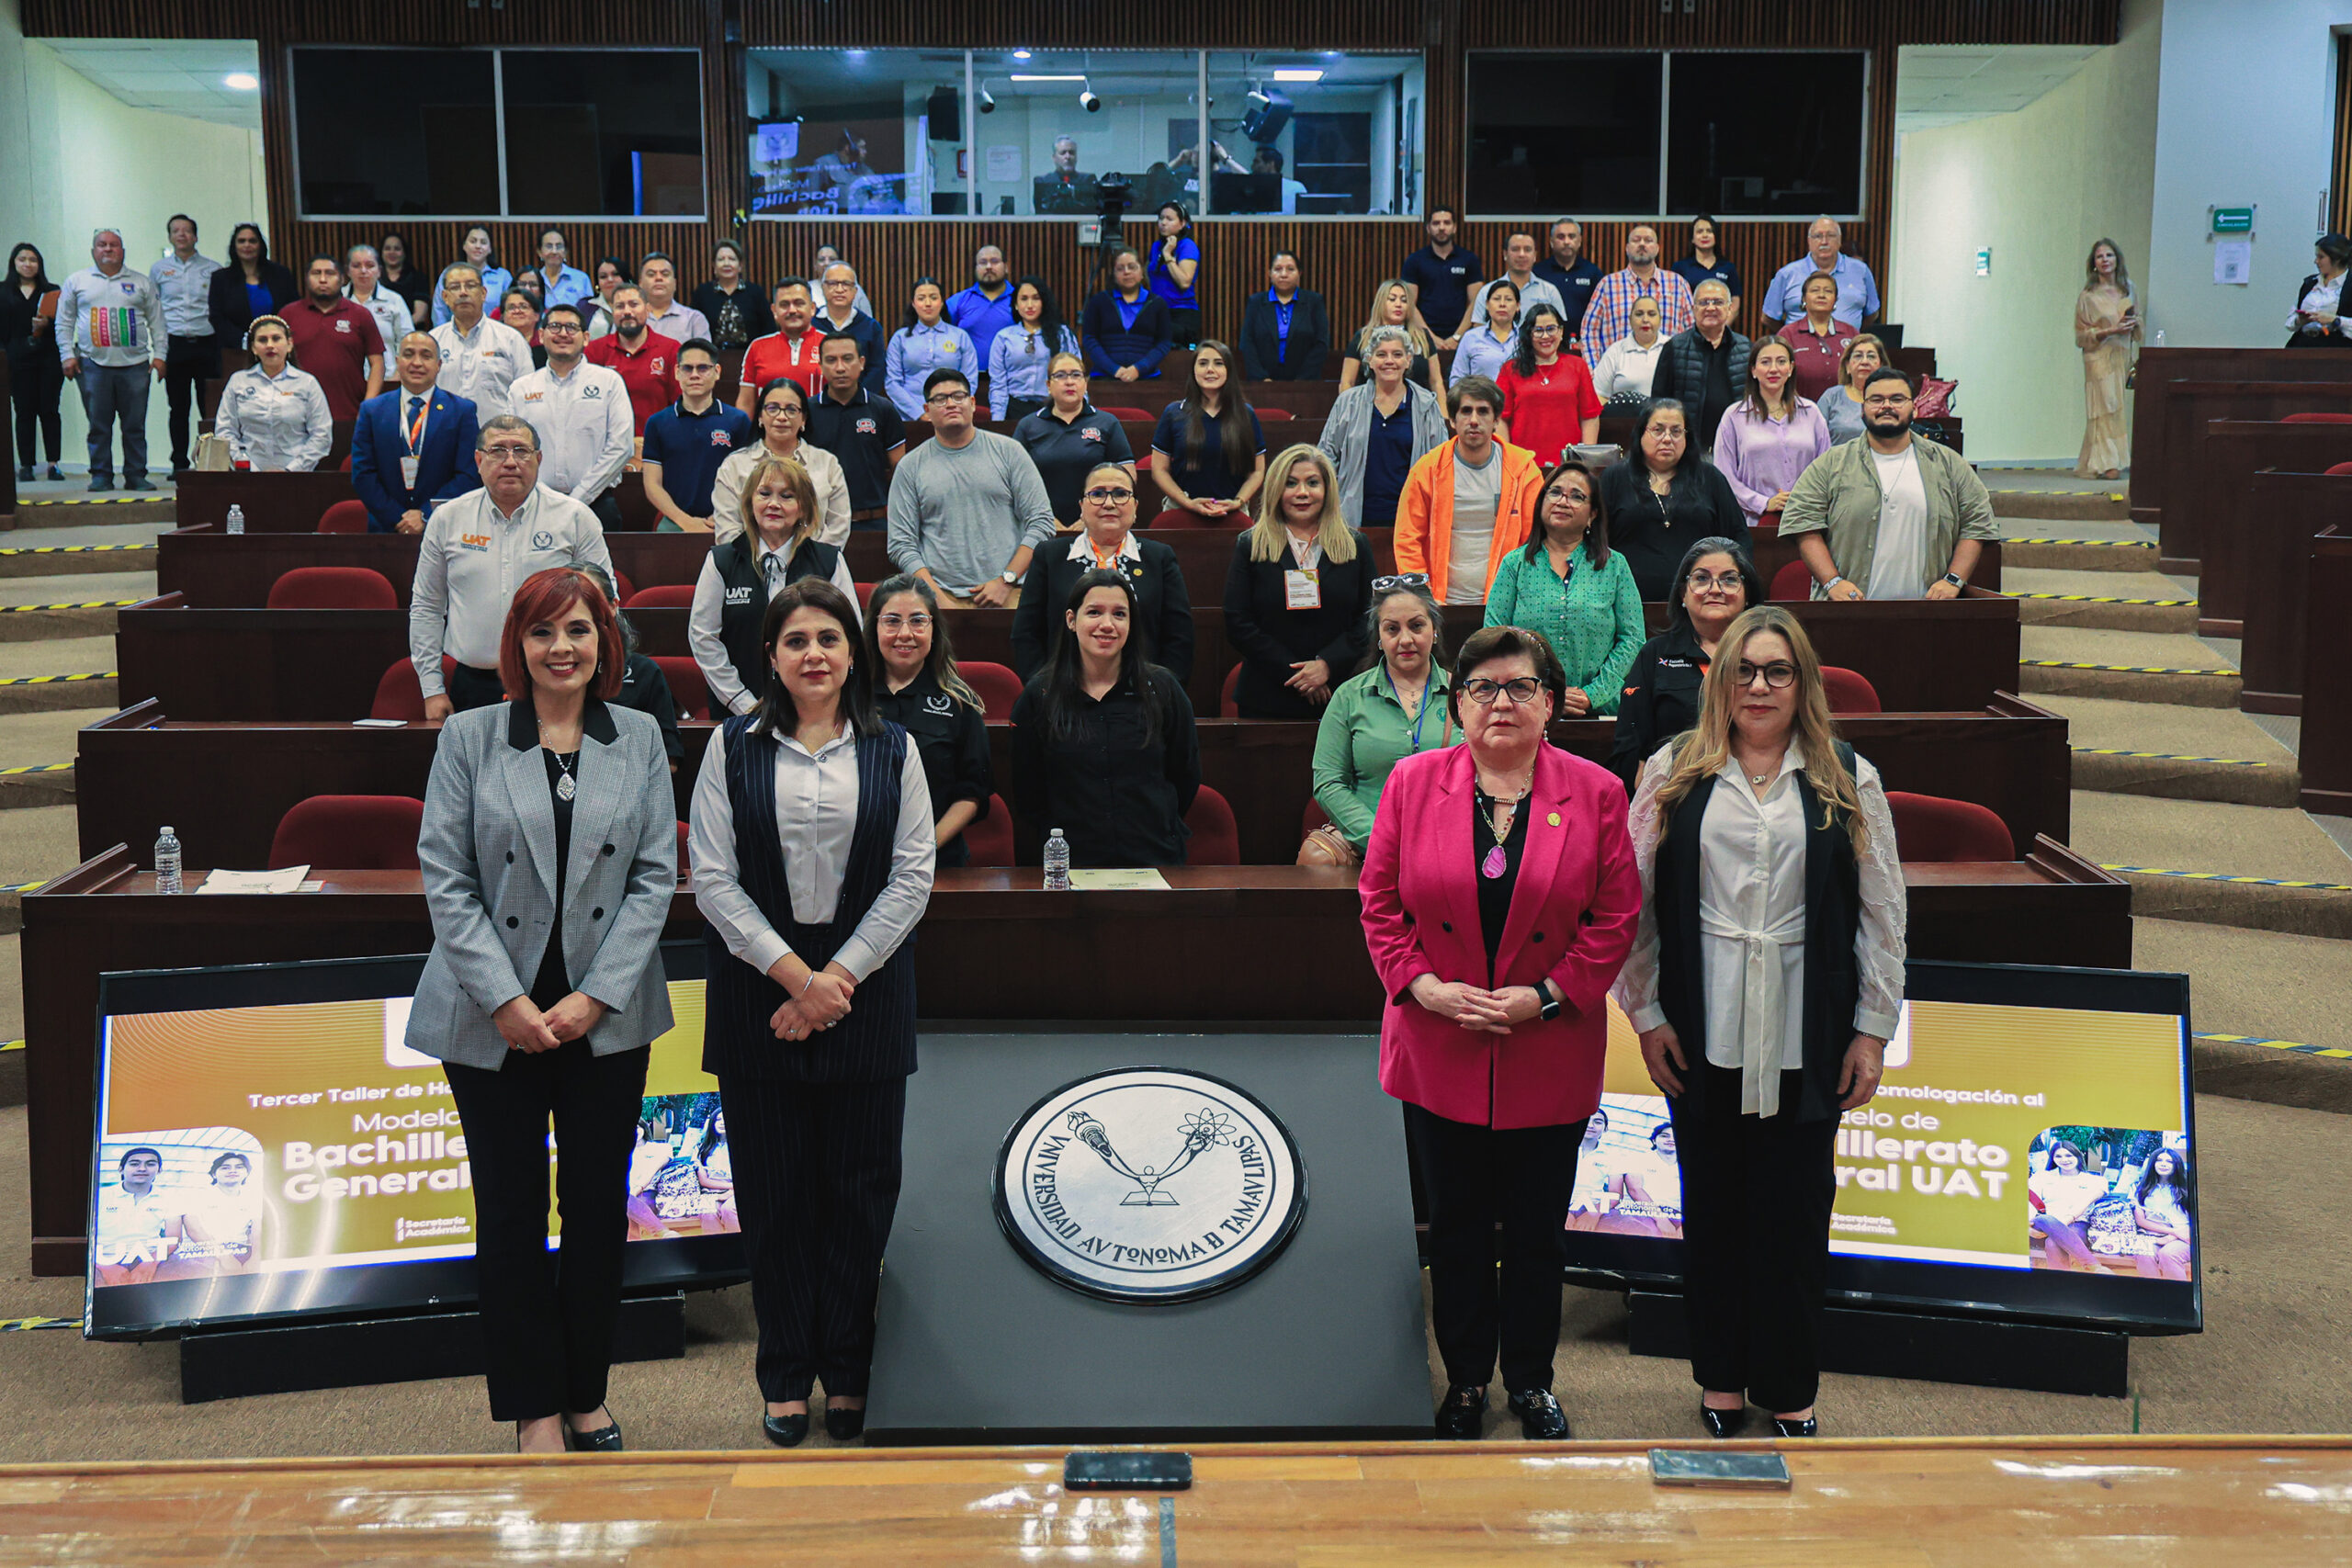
(1327, 846)
(1934, 398)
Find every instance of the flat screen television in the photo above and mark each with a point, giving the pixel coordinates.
(2030, 1154)
(267, 1148)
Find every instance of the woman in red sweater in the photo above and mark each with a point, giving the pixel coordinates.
(1549, 401)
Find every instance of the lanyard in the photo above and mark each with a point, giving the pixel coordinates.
(1429, 691)
(416, 427)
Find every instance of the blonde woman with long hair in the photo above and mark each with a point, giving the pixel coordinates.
(774, 544)
(1298, 594)
(1392, 306)
(1764, 1003)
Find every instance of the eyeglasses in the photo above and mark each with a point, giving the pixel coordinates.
(559, 328)
(510, 453)
(1402, 580)
(1700, 582)
(1106, 496)
(1485, 693)
(1066, 376)
(698, 369)
(947, 400)
(1776, 674)
(1543, 329)
(781, 411)
(915, 623)
(1900, 399)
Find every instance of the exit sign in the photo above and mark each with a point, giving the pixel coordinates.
(2232, 219)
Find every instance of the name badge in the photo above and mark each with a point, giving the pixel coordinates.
(408, 468)
(1302, 590)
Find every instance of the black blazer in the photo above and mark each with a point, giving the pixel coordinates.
(1310, 339)
(1660, 700)
(1161, 604)
(231, 313)
(1271, 637)
(2332, 338)
(1702, 505)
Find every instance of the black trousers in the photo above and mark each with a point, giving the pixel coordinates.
(471, 688)
(188, 363)
(1474, 1177)
(1018, 409)
(547, 1317)
(1184, 327)
(817, 1172)
(1757, 1193)
(607, 508)
(36, 388)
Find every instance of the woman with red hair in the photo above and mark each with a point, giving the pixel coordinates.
(549, 850)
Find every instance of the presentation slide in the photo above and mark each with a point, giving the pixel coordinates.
(259, 1160)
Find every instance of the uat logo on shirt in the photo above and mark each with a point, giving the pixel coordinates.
(657, 365)
(866, 427)
(342, 324)
(1090, 434)
(720, 438)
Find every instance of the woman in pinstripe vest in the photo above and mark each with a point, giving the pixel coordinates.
(812, 853)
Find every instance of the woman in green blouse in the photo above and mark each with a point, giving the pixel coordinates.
(1569, 585)
(1391, 708)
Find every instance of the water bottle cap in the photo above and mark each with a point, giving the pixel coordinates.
(167, 829)
(1057, 834)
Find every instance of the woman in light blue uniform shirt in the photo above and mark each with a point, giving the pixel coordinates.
(928, 341)
(1021, 354)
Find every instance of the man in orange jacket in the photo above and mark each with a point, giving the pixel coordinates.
(1469, 503)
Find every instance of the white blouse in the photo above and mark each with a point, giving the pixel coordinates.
(1751, 920)
(816, 818)
(824, 473)
(2326, 295)
(1628, 368)
(276, 424)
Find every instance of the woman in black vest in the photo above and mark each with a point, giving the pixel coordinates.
(1764, 1005)
(1106, 516)
(917, 689)
(1298, 594)
(1103, 745)
(777, 545)
(812, 855)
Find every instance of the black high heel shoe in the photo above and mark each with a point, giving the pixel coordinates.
(845, 1423)
(605, 1439)
(1724, 1423)
(784, 1431)
(1808, 1428)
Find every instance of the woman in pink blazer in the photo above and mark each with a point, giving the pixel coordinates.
(1500, 900)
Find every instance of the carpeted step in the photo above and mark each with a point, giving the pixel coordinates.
(2091, 500)
(2143, 666)
(2263, 869)
(78, 510)
(2169, 776)
(2134, 602)
(62, 560)
(2053, 553)
(2271, 1012)
(2186, 753)
(52, 693)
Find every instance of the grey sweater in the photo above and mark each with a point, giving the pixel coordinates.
(115, 321)
(963, 513)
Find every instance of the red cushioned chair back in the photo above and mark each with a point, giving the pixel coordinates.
(1122, 413)
(399, 697)
(998, 687)
(989, 840)
(1176, 517)
(688, 688)
(685, 861)
(1226, 706)
(332, 588)
(624, 587)
(2317, 418)
(661, 596)
(2338, 469)
(1930, 828)
(1217, 841)
(1848, 691)
(1794, 581)
(350, 832)
(1277, 414)
(344, 517)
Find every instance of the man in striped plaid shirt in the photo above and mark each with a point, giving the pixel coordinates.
(110, 340)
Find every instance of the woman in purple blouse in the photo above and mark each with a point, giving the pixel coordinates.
(1769, 436)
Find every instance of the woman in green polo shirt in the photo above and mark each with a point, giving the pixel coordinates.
(1569, 585)
(1393, 707)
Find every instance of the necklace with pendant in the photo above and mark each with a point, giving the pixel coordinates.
(1499, 816)
(566, 788)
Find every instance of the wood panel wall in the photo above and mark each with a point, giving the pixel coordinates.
(2339, 177)
(1343, 260)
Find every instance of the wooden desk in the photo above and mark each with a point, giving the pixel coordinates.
(2191, 406)
(2275, 523)
(2235, 450)
(1195, 951)
(2326, 753)
(1922, 657)
(293, 503)
(225, 786)
(2161, 370)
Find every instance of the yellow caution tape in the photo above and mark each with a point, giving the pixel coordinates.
(2161, 756)
(68, 549)
(86, 605)
(47, 680)
(38, 768)
(13, 1045)
(2104, 544)
(2297, 1046)
(24, 887)
(2108, 599)
(2224, 876)
(2123, 669)
(20, 1325)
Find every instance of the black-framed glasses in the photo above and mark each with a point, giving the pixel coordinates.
(1402, 580)
(948, 400)
(1485, 693)
(1779, 675)
(1105, 496)
(1700, 582)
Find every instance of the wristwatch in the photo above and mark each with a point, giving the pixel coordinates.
(1551, 1008)
(1831, 583)
(1955, 580)
(1011, 579)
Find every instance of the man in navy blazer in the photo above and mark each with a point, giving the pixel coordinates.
(398, 500)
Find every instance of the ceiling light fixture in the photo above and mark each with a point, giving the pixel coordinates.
(1020, 55)
(1298, 74)
(1017, 76)
(243, 81)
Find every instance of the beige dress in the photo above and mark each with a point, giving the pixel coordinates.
(2107, 445)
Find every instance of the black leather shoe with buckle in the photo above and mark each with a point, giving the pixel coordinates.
(1539, 1416)
(1464, 1412)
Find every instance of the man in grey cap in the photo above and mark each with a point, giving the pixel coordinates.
(110, 342)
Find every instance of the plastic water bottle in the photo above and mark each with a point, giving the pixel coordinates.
(236, 519)
(1057, 862)
(167, 863)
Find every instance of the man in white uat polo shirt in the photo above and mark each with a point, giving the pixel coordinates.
(476, 551)
(586, 427)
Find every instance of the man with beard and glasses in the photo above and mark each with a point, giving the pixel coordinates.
(1890, 516)
(648, 362)
(1610, 315)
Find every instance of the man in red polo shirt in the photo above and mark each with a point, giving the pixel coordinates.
(789, 352)
(647, 361)
(336, 340)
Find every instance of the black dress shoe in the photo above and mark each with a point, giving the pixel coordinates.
(1464, 1412)
(844, 1425)
(1724, 1423)
(605, 1439)
(141, 482)
(101, 481)
(784, 1431)
(25, 473)
(56, 474)
(1808, 1428)
(1539, 1416)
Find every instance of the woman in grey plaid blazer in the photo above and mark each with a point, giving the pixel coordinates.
(549, 850)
